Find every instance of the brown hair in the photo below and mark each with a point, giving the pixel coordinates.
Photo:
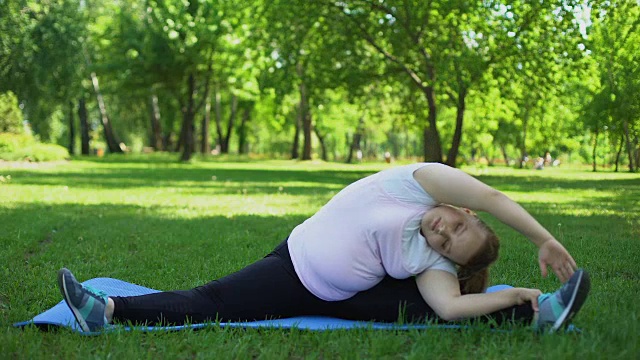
(474, 276)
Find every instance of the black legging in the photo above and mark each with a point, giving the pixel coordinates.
(270, 288)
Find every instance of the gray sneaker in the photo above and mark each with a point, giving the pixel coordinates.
(558, 308)
(86, 303)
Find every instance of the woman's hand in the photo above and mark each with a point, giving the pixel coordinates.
(441, 291)
(524, 295)
(553, 254)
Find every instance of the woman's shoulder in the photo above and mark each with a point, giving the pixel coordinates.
(400, 183)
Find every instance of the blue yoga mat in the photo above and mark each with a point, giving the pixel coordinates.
(61, 316)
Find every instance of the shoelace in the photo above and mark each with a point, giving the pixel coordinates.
(95, 292)
(543, 297)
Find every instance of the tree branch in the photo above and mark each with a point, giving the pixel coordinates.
(367, 37)
(406, 24)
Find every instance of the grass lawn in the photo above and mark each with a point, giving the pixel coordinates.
(166, 225)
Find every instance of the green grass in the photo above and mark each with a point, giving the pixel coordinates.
(166, 225)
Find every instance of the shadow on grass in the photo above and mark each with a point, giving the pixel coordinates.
(210, 179)
(164, 158)
(536, 183)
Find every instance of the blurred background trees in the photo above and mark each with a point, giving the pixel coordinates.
(450, 81)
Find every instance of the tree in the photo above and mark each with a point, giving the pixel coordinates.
(448, 47)
(312, 56)
(172, 49)
(614, 46)
(42, 55)
(543, 39)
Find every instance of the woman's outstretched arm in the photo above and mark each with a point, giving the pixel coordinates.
(455, 187)
(441, 291)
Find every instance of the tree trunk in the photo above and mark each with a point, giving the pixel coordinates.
(617, 163)
(490, 158)
(218, 109)
(307, 127)
(503, 149)
(224, 146)
(357, 137)
(630, 151)
(72, 130)
(156, 129)
(113, 143)
(323, 146)
(167, 141)
(84, 126)
(180, 142)
(457, 134)
(595, 148)
(305, 114)
(187, 121)
(636, 143)
(242, 131)
(193, 141)
(205, 145)
(432, 146)
(295, 149)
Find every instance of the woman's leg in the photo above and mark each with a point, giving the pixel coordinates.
(392, 300)
(268, 288)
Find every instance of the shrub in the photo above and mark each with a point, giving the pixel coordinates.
(14, 147)
(13, 142)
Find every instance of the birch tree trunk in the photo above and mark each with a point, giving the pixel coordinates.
(113, 143)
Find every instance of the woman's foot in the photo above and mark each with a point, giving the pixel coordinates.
(86, 303)
(558, 308)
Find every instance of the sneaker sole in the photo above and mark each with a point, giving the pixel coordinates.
(74, 310)
(577, 300)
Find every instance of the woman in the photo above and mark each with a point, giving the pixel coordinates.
(401, 243)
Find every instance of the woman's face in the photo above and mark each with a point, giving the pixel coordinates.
(453, 232)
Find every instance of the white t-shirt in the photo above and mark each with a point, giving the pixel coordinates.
(368, 230)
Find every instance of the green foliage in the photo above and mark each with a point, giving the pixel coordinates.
(23, 147)
(10, 114)
(526, 77)
(10, 142)
(37, 152)
(612, 104)
(42, 62)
